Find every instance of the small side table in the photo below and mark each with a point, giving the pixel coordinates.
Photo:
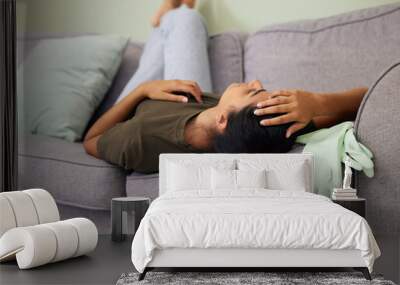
(138, 205)
(358, 205)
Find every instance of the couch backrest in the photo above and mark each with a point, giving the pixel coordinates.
(283, 170)
(330, 54)
(226, 59)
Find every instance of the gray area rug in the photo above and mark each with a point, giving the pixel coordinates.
(269, 278)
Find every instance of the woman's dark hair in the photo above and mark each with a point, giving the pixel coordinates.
(244, 134)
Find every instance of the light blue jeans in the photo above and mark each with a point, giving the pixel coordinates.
(177, 49)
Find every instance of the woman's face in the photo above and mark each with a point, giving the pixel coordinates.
(240, 95)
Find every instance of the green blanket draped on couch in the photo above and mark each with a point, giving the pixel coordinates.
(330, 147)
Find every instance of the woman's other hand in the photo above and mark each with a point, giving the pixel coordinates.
(164, 90)
(295, 106)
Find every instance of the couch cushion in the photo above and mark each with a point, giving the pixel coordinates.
(226, 59)
(27, 42)
(145, 185)
(57, 102)
(129, 64)
(330, 54)
(68, 173)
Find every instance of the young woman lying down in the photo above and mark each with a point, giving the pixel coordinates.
(167, 106)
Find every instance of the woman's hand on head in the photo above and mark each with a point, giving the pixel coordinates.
(164, 90)
(295, 106)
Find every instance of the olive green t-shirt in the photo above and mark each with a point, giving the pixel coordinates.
(156, 127)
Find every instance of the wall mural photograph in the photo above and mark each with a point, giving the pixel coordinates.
(199, 141)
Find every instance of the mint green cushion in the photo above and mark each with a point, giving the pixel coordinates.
(65, 80)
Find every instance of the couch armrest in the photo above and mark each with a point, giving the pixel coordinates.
(378, 127)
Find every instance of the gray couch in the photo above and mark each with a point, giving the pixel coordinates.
(360, 48)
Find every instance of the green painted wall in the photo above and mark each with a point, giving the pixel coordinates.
(131, 17)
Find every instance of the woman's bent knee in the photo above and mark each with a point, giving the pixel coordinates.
(183, 16)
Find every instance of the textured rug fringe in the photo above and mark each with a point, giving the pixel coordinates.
(244, 278)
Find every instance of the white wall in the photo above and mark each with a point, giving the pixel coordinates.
(131, 17)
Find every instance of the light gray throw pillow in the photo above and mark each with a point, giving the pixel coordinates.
(64, 82)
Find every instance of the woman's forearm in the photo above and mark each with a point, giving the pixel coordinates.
(343, 105)
(116, 114)
(333, 108)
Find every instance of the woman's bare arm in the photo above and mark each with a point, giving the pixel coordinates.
(300, 107)
(116, 114)
(337, 107)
